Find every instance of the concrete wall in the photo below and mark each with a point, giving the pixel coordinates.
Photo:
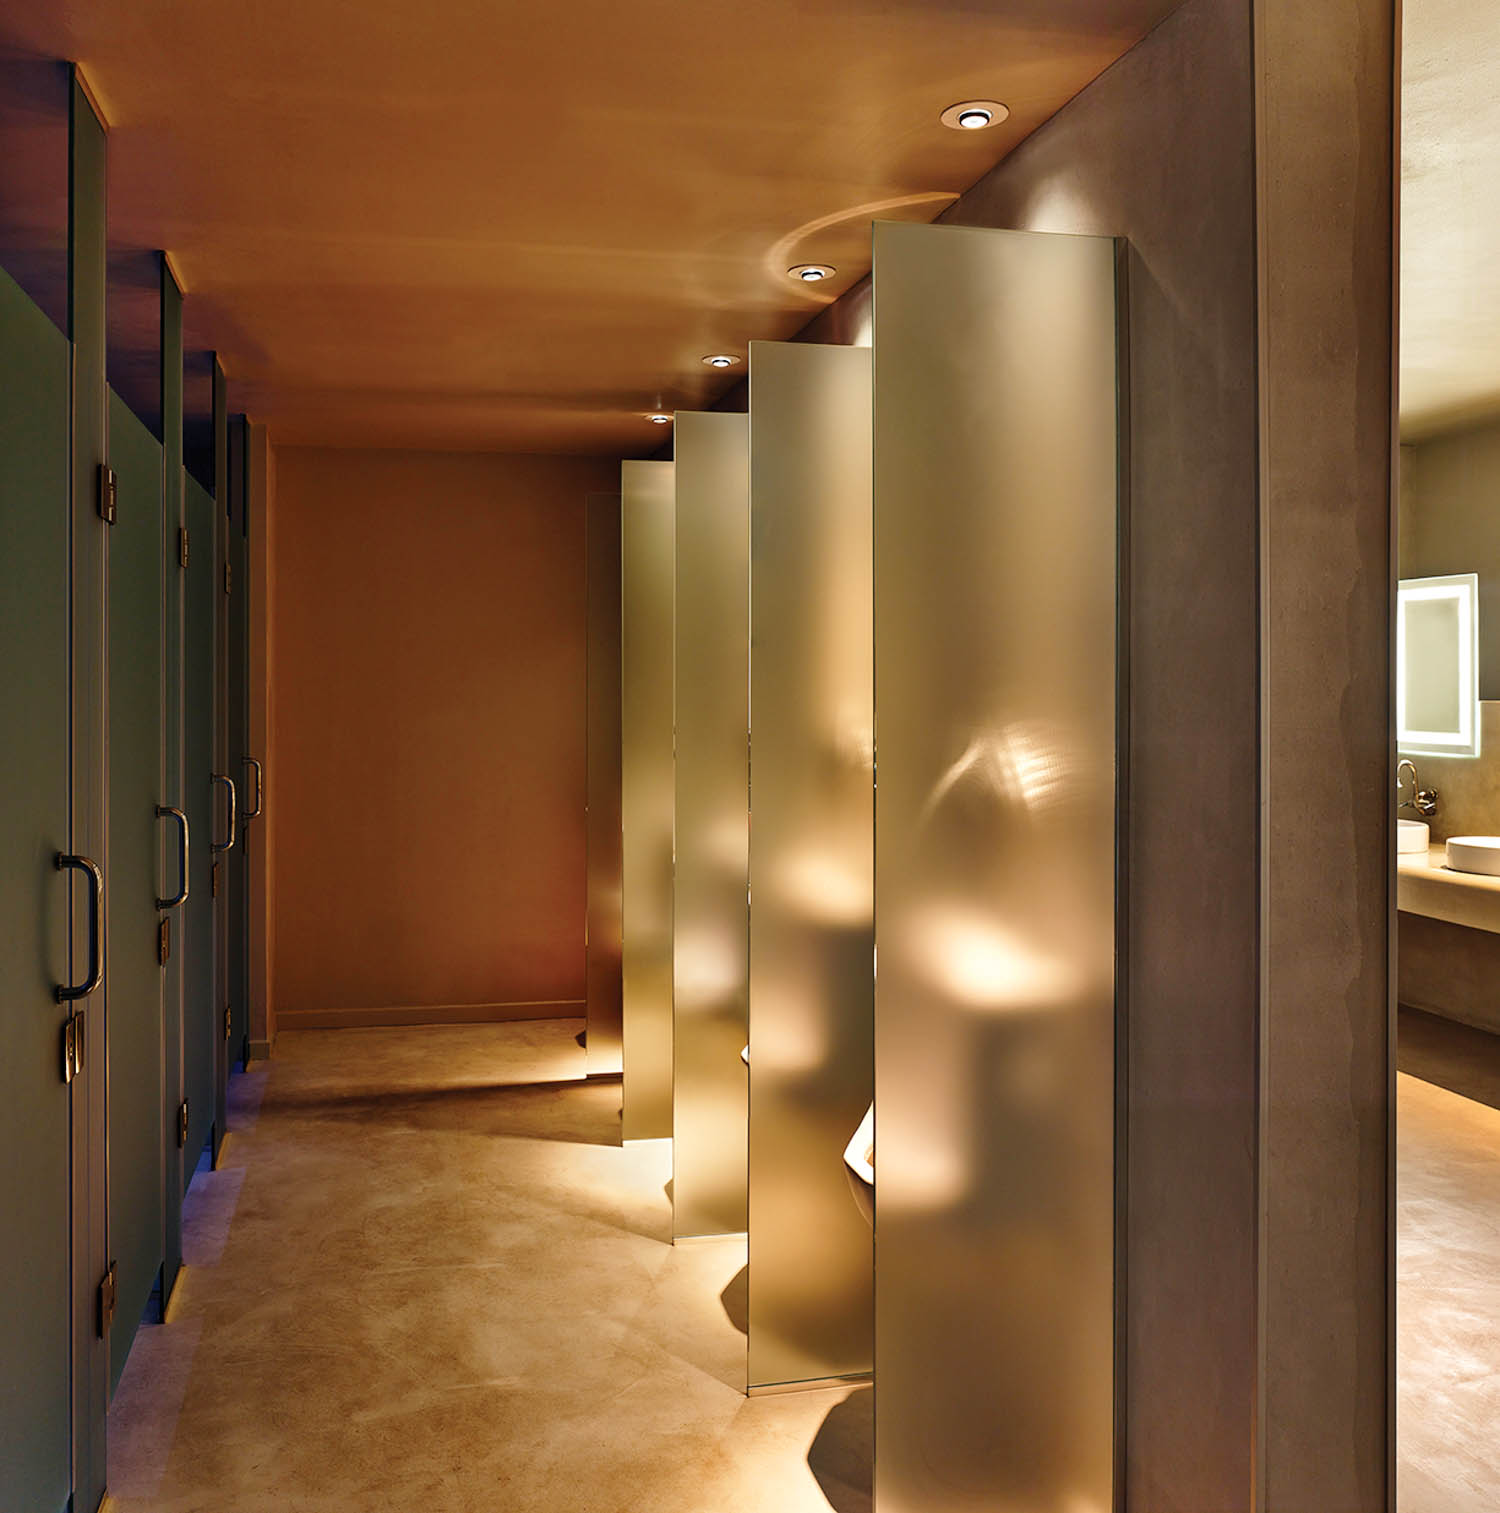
(427, 785)
(1450, 970)
(1327, 132)
(1450, 523)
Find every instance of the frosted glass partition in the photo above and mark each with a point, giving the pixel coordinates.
(812, 985)
(602, 909)
(710, 909)
(646, 589)
(996, 587)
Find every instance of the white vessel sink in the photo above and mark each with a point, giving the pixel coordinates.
(1475, 853)
(1411, 837)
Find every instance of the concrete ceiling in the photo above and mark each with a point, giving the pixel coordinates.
(1450, 215)
(487, 224)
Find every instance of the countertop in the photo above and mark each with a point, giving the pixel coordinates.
(1424, 885)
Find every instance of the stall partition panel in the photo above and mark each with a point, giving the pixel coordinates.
(226, 848)
(202, 1027)
(710, 914)
(602, 920)
(646, 590)
(237, 715)
(174, 579)
(137, 1133)
(812, 927)
(996, 593)
(89, 837)
(34, 897)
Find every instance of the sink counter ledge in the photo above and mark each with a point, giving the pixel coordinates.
(1426, 885)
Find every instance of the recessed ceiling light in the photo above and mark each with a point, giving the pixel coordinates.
(659, 419)
(721, 360)
(975, 115)
(812, 273)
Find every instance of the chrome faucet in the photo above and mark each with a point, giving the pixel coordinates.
(1423, 800)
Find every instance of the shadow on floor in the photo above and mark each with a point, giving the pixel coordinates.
(578, 1112)
(842, 1455)
(1449, 1055)
(736, 1300)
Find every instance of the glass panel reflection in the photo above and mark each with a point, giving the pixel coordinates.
(996, 529)
(602, 917)
(647, 551)
(710, 907)
(811, 859)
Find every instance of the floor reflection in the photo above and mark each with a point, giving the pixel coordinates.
(1448, 1267)
(842, 1455)
(736, 1300)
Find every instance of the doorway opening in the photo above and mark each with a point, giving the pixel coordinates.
(1447, 621)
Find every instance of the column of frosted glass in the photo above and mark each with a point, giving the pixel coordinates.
(646, 589)
(811, 859)
(996, 529)
(710, 906)
(602, 911)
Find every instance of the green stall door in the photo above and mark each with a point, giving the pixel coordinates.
(247, 778)
(136, 1134)
(202, 1026)
(35, 1340)
(174, 583)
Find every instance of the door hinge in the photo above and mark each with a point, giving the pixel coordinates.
(163, 942)
(182, 546)
(228, 1021)
(229, 577)
(109, 492)
(213, 887)
(107, 1301)
(182, 1124)
(72, 1047)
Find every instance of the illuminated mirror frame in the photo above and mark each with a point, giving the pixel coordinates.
(1463, 588)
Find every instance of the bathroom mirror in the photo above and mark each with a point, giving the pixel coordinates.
(1437, 665)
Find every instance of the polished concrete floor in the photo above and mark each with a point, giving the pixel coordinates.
(427, 1279)
(1448, 1265)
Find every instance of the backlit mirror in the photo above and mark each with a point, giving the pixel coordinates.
(1437, 665)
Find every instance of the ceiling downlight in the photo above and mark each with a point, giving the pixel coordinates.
(811, 273)
(975, 115)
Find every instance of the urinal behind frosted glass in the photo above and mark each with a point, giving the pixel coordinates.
(859, 1165)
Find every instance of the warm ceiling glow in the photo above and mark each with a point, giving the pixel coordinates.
(811, 273)
(974, 115)
(721, 360)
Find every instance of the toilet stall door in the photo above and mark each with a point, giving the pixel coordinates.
(206, 812)
(35, 1406)
(226, 785)
(136, 959)
(247, 776)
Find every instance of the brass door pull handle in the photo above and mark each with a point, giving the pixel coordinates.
(63, 992)
(216, 846)
(163, 811)
(254, 812)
